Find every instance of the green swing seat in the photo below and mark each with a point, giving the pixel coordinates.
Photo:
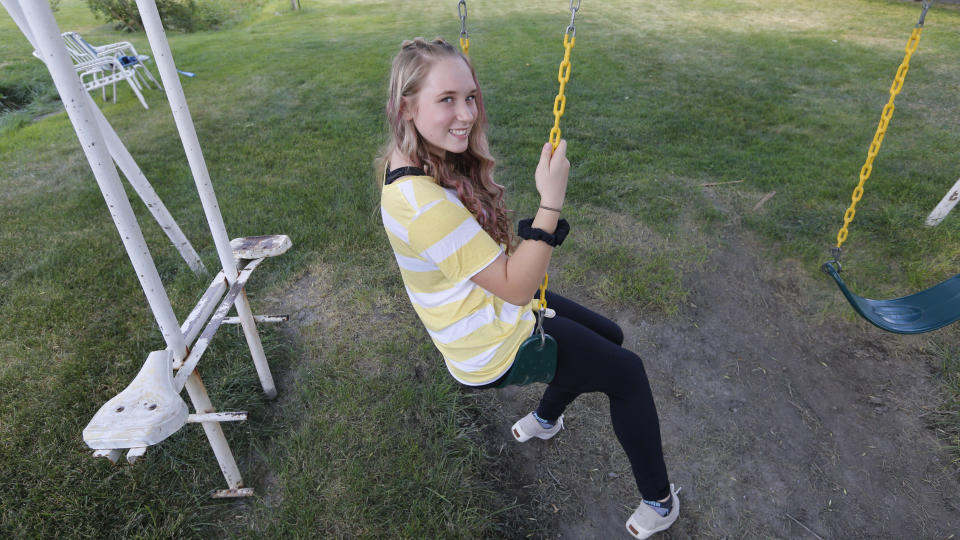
(924, 311)
(536, 361)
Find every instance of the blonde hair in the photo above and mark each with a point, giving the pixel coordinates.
(469, 173)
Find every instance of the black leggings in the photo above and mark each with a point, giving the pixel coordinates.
(590, 358)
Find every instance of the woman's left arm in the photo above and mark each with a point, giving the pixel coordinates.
(517, 278)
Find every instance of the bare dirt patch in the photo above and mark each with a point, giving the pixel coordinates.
(781, 418)
(775, 426)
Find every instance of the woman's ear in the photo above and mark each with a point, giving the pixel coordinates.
(406, 109)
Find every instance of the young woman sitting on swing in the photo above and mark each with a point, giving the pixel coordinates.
(473, 289)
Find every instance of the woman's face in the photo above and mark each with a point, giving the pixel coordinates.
(445, 109)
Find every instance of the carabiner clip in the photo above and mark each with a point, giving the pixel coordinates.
(543, 335)
(835, 262)
(571, 28)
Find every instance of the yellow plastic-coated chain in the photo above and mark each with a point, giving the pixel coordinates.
(559, 107)
(563, 76)
(543, 292)
(464, 36)
(885, 117)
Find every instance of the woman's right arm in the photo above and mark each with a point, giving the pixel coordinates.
(516, 278)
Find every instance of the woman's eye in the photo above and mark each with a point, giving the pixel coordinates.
(471, 98)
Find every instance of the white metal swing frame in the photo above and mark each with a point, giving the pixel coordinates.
(150, 408)
(944, 206)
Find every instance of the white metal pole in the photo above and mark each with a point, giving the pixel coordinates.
(249, 326)
(188, 133)
(218, 441)
(142, 186)
(43, 26)
(191, 145)
(16, 13)
(945, 206)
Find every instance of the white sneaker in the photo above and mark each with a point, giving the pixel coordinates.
(646, 521)
(528, 427)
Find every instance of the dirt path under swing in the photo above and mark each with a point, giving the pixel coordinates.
(774, 427)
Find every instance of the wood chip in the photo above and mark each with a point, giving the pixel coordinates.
(765, 198)
(711, 184)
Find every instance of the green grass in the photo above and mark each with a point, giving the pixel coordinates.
(946, 419)
(370, 437)
(25, 79)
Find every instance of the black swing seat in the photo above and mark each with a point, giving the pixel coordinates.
(921, 312)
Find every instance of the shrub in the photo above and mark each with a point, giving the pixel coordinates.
(183, 15)
(17, 95)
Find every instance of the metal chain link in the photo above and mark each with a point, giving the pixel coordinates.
(571, 28)
(464, 36)
(885, 117)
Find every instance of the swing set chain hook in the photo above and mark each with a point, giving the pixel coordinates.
(539, 330)
(923, 14)
(542, 309)
(835, 262)
(462, 13)
(464, 36)
(572, 29)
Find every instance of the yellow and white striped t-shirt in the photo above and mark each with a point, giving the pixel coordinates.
(439, 246)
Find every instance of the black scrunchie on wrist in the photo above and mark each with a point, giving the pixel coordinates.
(526, 231)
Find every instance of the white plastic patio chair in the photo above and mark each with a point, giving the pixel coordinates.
(124, 51)
(102, 72)
(99, 71)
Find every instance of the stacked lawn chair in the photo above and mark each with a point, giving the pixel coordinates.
(151, 408)
(99, 67)
(123, 51)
